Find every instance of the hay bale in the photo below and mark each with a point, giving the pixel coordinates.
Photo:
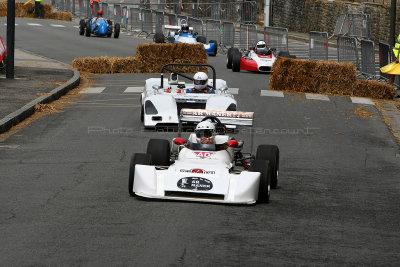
(374, 89)
(124, 65)
(93, 65)
(28, 11)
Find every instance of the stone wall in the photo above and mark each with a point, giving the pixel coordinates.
(321, 15)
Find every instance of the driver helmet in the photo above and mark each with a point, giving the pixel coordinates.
(200, 80)
(184, 28)
(205, 132)
(100, 13)
(261, 45)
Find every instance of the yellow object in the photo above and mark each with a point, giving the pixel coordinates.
(392, 68)
(28, 2)
(397, 47)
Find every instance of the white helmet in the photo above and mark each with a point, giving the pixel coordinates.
(261, 45)
(200, 80)
(205, 132)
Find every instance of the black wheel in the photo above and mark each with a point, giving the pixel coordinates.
(229, 58)
(109, 22)
(270, 153)
(201, 39)
(142, 114)
(284, 54)
(117, 29)
(262, 166)
(159, 38)
(87, 33)
(82, 27)
(159, 150)
(137, 158)
(236, 56)
(215, 47)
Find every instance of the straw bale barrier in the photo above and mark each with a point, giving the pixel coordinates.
(149, 59)
(325, 77)
(28, 11)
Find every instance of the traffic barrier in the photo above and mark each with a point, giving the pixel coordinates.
(149, 59)
(318, 46)
(104, 7)
(96, 7)
(384, 59)
(277, 37)
(135, 18)
(347, 50)
(248, 36)
(228, 34)
(325, 77)
(117, 13)
(197, 25)
(368, 59)
(158, 21)
(28, 11)
(124, 17)
(170, 19)
(147, 22)
(213, 30)
(353, 25)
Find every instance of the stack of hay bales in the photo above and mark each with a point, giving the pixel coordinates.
(325, 77)
(28, 11)
(150, 58)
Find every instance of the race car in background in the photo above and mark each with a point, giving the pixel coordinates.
(98, 26)
(259, 58)
(184, 34)
(192, 170)
(163, 98)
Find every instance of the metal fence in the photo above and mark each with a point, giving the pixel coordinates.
(385, 57)
(228, 34)
(347, 50)
(170, 19)
(213, 30)
(318, 46)
(277, 38)
(117, 14)
(158, 18)
(248, 36)
(147, 22)
(197, 25)
(354, 25)
(368, 59)
(135, 18)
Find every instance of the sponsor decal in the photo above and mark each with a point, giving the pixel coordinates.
(220, 114)
(203, 154)
(201, 171)
(195, 184)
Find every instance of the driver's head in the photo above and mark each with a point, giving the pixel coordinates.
(205, 132)
(100, 13)
(185, 28)
(261, 45)
(200, 80)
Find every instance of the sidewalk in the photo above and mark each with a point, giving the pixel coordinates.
(37, 80)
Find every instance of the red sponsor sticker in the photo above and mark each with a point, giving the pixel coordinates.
(203, 154)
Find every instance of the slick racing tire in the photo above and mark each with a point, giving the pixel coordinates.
(137, 158)
(159, 150)
(87, 33)
(82, 27)
(117, 29)
(229, 58)
(262, 166)
(142, 114)
(236, 56)
(201, 39)
(159, 38)
(270, 153)
(215, 47)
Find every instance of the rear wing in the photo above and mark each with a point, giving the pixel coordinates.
(226, 117)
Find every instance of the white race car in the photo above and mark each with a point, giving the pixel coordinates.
(163, 98)
(217, 172)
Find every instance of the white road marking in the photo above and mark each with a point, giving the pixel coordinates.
(57, 25)
(134, 90)
(362, 100)
(5, 24)
(92, 90)
(76, 27)
(9, 146)
(34, 24)
(272, 93)
(234, 91)
(317, 97)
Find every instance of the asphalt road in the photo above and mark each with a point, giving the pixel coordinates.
(64, 197)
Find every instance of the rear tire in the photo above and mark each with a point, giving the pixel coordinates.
(160, 151)
(117, 29)
(82, 27)
(201, 39)
(87, 33)
(159, 38)
(262, 166)
(229, 58)
(137, 158)
(270, 153)
(215, 47)
(236, 57)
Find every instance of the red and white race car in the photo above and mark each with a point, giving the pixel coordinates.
(259, 58)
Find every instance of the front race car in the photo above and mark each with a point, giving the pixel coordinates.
(261, 62)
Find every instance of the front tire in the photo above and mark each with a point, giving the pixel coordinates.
(263, 167)
(236, 57)
(270, 153)
(82, 27)
(137, 158)
(159, 38)
(229, 58)
(87, 33)
(160, 151)
(117, 29)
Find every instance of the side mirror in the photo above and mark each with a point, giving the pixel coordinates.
(232, 143)
(179, 141)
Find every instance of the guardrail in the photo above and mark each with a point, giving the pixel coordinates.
(248, 36)
(318, 46)
(277, 38)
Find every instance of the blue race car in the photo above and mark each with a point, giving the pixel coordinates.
(98, 26)
(184, 34)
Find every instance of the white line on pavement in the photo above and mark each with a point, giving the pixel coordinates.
(362, 100)
(34, 24)
(134, 90)
(92, 90)
(317, 97)
(272, 93)
(57, 25)
(234, 91)
(5, 24)
(76, 27)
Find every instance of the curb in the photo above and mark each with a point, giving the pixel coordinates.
(26, 111)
